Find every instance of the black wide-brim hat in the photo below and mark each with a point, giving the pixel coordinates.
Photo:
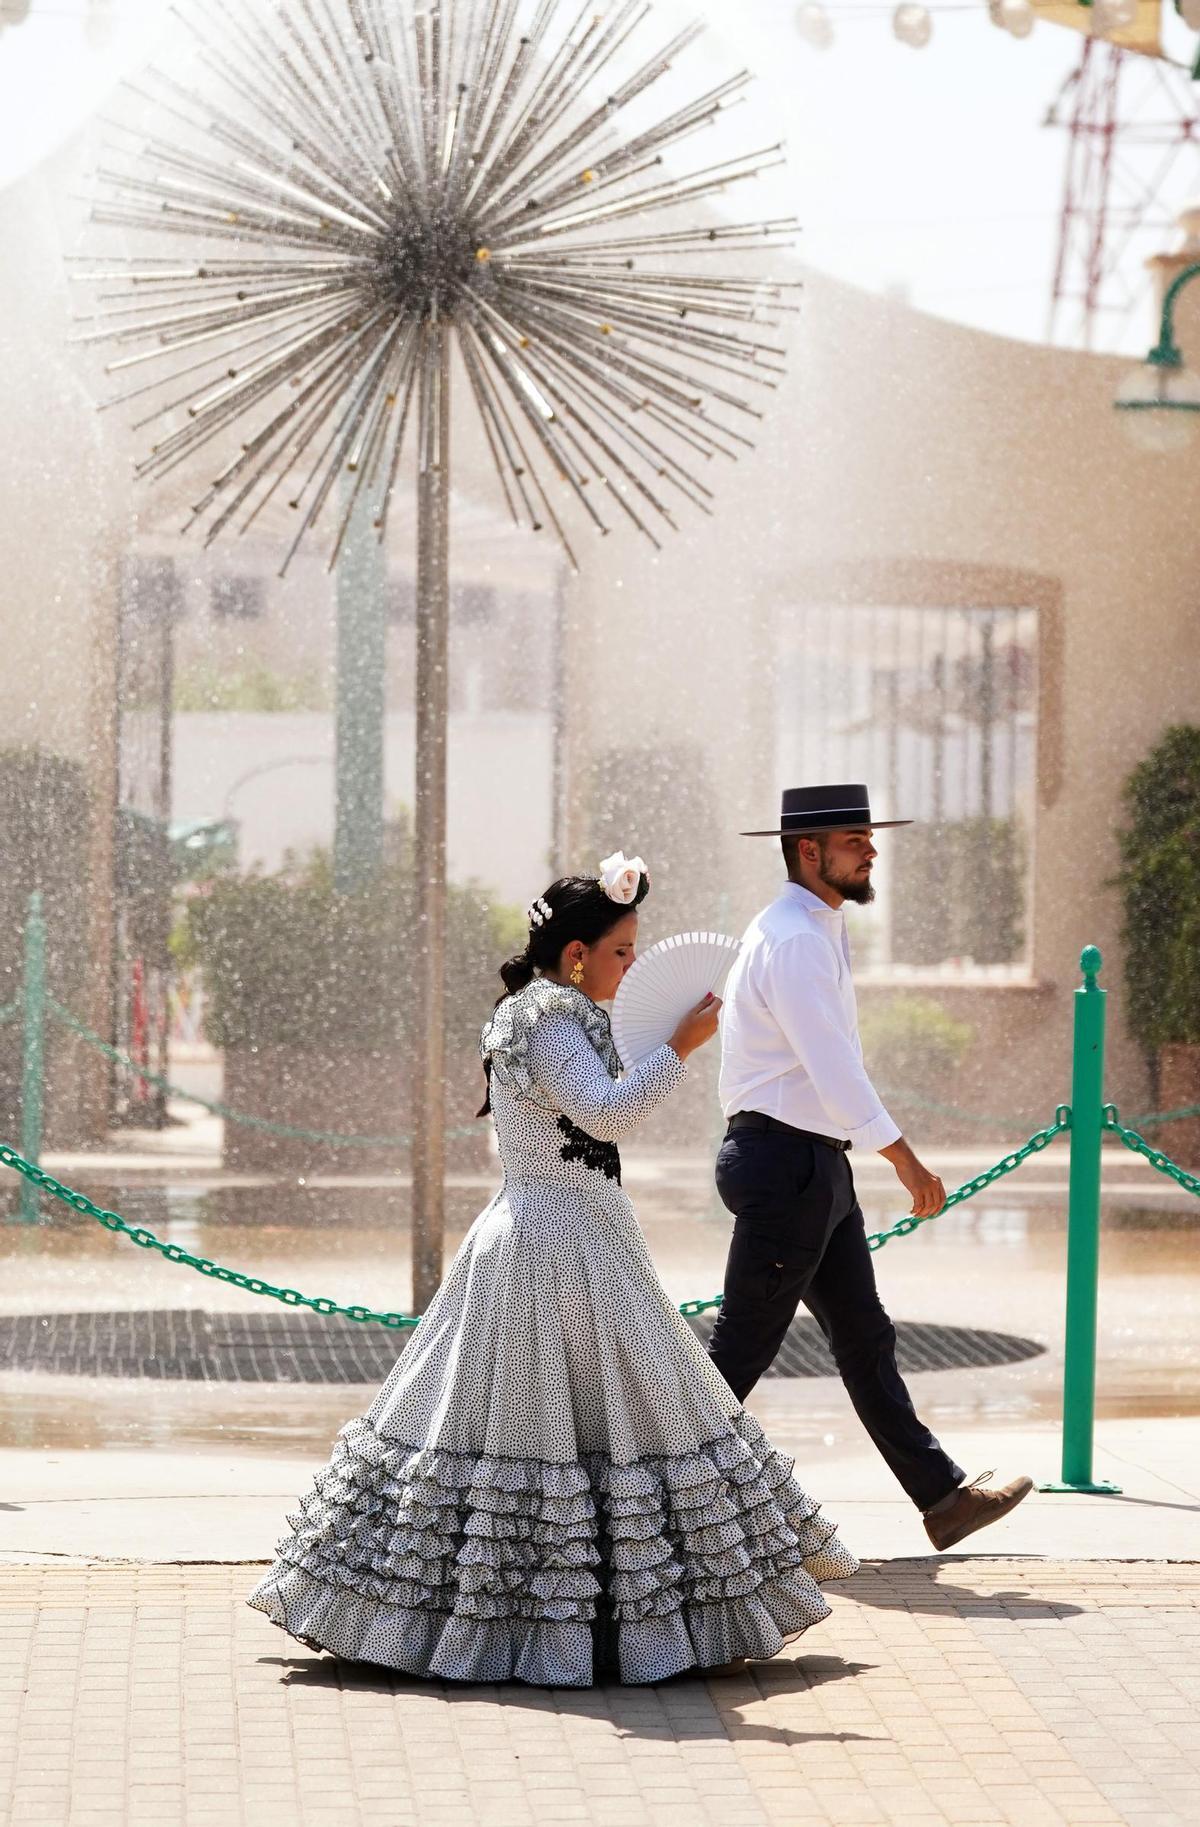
(808, 810)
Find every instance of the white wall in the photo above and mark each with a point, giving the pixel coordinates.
(499, 789)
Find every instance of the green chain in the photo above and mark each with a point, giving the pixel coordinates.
(915, 1100)
(1150, 1119)
(898, 1094)
(216, 1108)
(253, 1284)
(146, 1240)
(1040, 1139)
(904, 1096)
(1138, 1145)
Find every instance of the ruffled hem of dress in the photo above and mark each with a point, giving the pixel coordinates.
(711, 1554)
(447, 1646)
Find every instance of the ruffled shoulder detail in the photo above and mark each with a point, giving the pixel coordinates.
(505, 1038)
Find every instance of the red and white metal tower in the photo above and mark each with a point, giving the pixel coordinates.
(1133, 160)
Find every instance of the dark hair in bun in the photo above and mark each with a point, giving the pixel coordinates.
(579, 909)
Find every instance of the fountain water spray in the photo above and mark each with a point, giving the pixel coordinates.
(359, 188)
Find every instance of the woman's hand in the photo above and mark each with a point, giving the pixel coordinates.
(697, 1026)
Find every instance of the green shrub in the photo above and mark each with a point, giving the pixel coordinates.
(911, 1043)
(1160, 888)
(45, 815)
(253, 686)
(287, 960)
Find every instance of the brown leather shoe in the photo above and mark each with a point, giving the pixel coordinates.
(974, 1507)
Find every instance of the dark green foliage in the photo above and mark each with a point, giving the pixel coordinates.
(145, 877)
(287, 960)
(45, 817)
(1160, 887)
(252, 686)
(913, 1043)
(958, 891)
(45, 814)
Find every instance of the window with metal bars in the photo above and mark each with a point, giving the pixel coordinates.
(234, 597)
(936, 709)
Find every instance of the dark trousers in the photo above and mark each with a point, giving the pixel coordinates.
(799, 1235)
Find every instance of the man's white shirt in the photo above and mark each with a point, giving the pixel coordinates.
(789, 1028)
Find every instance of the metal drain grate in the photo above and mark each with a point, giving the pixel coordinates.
(918, 1347)
(185, 1343)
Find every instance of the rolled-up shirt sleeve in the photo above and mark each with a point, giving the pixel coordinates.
(572, 1077)
(801, 985)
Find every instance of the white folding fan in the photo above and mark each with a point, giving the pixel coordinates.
(657, 991)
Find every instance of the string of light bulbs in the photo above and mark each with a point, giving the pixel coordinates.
(912, 22)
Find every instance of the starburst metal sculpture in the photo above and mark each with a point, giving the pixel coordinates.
(385, 173)
(358, 186)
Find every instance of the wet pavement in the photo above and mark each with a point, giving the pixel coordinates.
(149, 1469)
(994, 1265)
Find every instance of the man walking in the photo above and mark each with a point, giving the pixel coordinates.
(797, 1098)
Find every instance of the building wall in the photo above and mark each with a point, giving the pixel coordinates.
(908, 460)
(901, 456)
(273, 775)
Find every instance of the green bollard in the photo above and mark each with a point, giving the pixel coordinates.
(1083, 1233)
(33, 1052)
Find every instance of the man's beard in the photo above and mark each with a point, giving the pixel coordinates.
(852, 887)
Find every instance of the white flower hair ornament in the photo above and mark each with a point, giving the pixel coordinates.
(620, 877)
(539, 912)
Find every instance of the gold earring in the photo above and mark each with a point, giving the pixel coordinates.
(577, 972)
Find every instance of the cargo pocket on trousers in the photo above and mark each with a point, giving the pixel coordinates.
(757, 1261)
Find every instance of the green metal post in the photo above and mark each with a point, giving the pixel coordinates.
(1083, 1232)
(33, 1051)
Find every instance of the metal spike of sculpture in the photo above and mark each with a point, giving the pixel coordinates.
(373, 182)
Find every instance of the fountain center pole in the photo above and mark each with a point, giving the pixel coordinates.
(429, 987)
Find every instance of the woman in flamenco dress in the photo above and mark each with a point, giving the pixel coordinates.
(555, 1484)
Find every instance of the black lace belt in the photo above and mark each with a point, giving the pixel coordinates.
(579, 1146)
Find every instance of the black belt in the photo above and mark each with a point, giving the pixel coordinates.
(754, 1119)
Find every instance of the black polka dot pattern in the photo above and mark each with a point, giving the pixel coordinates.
(554, 1483)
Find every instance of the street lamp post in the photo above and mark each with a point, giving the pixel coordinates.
(1158, 401)
(268, 767)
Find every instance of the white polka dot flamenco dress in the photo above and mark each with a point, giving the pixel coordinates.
(554, 1483)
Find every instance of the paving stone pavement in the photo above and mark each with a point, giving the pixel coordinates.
(941, 1693)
